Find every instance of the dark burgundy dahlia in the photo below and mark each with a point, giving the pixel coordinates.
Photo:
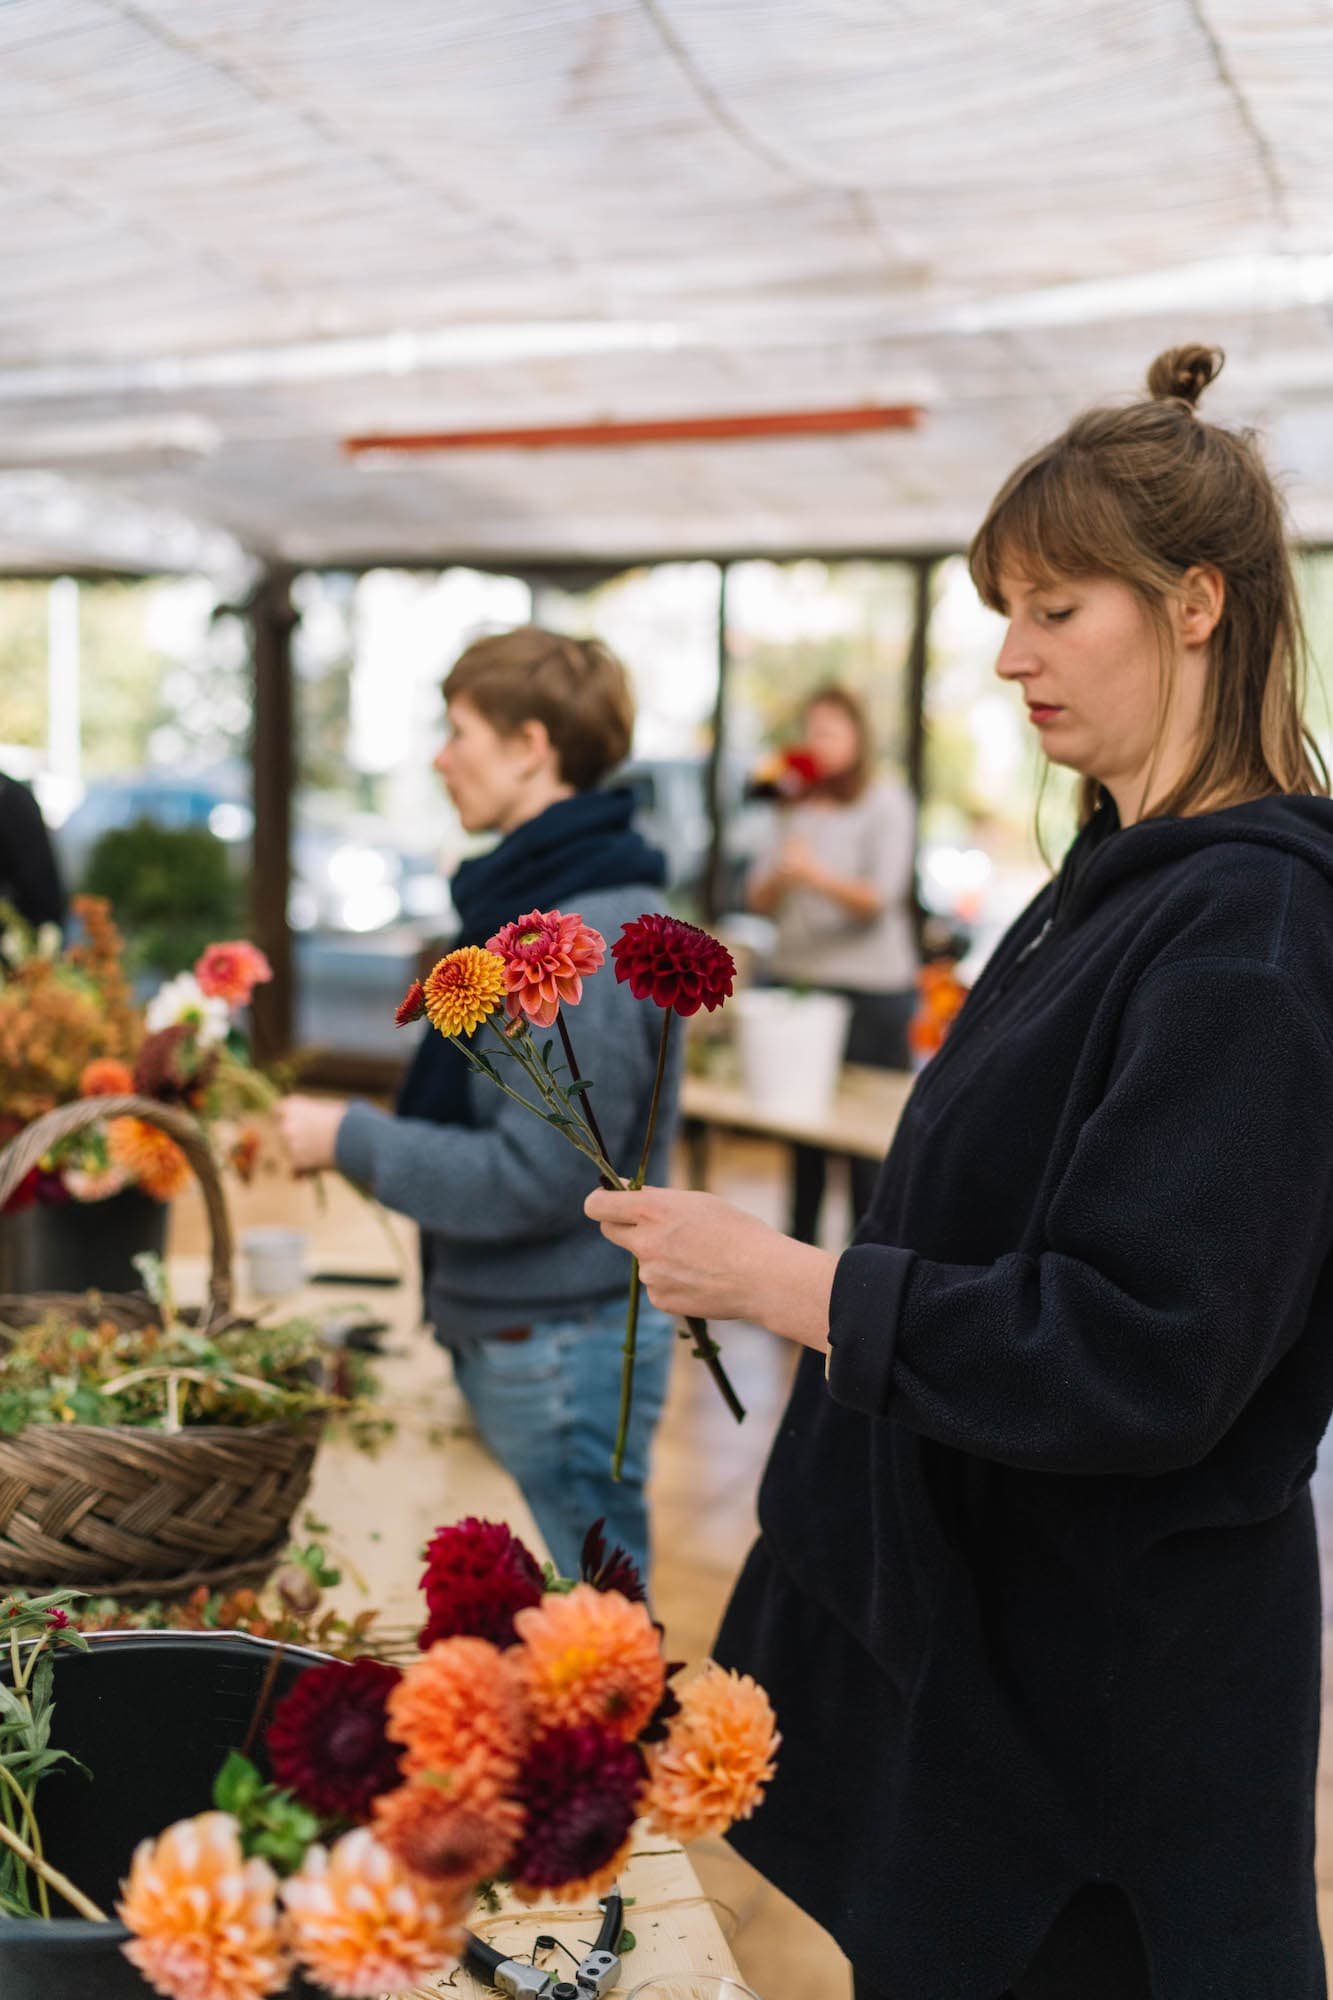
(327, 1740)
(609, 1569)
(477, 1576)
(580, 1789)
(673, 964)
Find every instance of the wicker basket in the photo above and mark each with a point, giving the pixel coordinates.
(135, 1513)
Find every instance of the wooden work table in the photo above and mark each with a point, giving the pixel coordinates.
(861, 1120)
(381, 1510)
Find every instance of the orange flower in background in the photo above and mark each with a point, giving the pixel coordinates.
(151, 1157)
(717, 1759)
(362, 1926)
(205, 1920)
(232, 971)
(940, 998)
(546, 957)
(443, 1841)
(591, 1656)
(106, 1076)
(464, 989)
(244, 1154)
(459, 1711)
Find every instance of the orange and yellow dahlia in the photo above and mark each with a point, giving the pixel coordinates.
(362, 1927)
(205, 1920)
(464, 989)
(152, 1157)
(591, 1656)
(718, 1757)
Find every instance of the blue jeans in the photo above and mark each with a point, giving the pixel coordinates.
(547, 1408)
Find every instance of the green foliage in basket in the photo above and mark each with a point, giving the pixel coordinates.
(165, 1377)
(29, 1628)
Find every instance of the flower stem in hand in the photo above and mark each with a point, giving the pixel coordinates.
(630, 1350)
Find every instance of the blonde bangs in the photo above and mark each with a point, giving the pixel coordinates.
(1050, 521)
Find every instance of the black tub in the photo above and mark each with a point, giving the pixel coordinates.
(152, 1715)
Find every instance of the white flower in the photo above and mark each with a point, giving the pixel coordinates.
(183, 999)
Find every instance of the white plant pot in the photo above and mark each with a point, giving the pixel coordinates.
(791, 1049)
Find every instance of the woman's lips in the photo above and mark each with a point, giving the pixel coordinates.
(1042, 712)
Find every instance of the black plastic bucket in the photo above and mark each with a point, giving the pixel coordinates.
(152, 1715)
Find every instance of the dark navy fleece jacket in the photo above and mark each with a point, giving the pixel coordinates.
(1036, 1592)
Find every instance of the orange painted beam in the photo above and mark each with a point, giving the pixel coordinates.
(666, 430)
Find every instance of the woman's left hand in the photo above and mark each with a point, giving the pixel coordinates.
(700, 1257)
(309, 1128)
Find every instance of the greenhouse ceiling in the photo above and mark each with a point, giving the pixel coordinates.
(236, 234)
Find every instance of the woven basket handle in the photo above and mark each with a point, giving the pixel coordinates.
(27, 1147)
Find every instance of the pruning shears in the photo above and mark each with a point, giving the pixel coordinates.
(594, 1975)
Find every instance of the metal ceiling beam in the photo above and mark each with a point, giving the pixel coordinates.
(663, 430)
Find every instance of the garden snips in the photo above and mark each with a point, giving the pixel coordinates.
(594, 1975)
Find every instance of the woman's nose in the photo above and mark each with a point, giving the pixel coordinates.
(1014, 658)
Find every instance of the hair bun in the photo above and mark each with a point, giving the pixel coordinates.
(1183, 373)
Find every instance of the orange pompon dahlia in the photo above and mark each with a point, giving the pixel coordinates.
(546, 959)
(444, 1841)
(106, 1076)
(591, 1656)
(205, 1920)
(463, 990)
(459, 1710)
(362, 1927)
(718, 1757)
(152, 1157)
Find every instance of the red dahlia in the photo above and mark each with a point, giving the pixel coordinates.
(580, 1788)
(673, 964)
(327, 1742)
(477, 1576)
(412, 1006)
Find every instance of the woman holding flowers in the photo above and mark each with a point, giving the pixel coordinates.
(1036, 1595)
(838, 881)
(530, 1301)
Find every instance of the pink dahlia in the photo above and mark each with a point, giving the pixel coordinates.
(673, 964)
(232, 971)
(546, 957)
(477, 1576)
(327, 1741)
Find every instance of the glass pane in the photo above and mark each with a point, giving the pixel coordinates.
(663, 624)
(128, 707)
(374, 837)
(792, 627)
(984, 777)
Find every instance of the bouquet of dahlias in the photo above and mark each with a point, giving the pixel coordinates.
(537, 1727)
(524, 978)
(70, 1028)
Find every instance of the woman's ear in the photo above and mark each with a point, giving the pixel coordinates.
(1200, 600)
(539, 751)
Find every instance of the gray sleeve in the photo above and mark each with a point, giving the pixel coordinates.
(514, 1179)
(890, 850)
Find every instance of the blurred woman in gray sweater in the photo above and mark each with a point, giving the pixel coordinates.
(838, 880)
(527, 1296)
